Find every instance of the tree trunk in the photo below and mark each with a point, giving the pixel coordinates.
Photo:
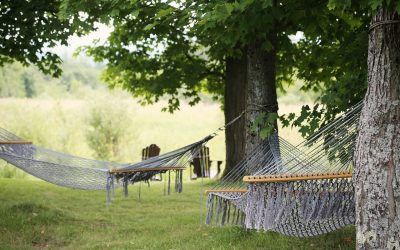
(261, 88)
(235, 103)
(377, 155)
(250, 84)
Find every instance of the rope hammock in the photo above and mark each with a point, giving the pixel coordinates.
(80, 173)
(302, 190)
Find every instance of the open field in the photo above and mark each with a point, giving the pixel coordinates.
(38, 215)
(63, 125)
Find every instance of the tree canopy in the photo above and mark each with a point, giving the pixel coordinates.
(178, 49)
(175, 49)
(29, 28)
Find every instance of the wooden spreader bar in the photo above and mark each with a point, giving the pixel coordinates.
(15, 142)
(226, 191)
(301, 177)
(144, 169)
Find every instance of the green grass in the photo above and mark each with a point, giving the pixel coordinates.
(38, 215)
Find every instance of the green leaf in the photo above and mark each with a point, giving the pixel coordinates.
(165, 12)
(332, 4)
(150, 26)
(375, 4)
(304, 130)
(223, 11)
(135, 13)
(272, 117)
(243, 5)
(265, 132)
(267, 3)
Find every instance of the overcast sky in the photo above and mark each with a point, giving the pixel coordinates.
(74, 42)
(66, 52)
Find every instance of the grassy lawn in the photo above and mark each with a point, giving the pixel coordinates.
(38, 215)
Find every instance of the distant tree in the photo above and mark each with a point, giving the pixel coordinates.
(19, 81)
(11, 81)
(107, 130)
(28, 85)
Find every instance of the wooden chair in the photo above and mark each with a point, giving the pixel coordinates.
(151, 151)
(201, 164)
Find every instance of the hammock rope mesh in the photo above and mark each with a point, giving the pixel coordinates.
(272, 196)
(81, 173)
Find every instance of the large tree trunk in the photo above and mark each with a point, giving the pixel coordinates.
(261, 88)
(250, 84)
(377, 155)
(235, 103)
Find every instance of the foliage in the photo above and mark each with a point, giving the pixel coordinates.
(264, 124)
(108, 131)
(171, 48)
(334, 62)
(371, 5)
(168, 48)
(29, 28)
(178, 49)
(12, 82)
(41, 215)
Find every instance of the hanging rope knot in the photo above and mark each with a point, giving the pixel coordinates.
(386, 22)
(267, 107)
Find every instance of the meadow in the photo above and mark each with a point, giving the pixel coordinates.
(81, 126)
(38, 215)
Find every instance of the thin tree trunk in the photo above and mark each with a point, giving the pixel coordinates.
(377, 155)
(235, 103)
(261, 89)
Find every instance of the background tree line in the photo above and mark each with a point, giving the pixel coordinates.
(17, 80)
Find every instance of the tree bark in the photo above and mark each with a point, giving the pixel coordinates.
(235, 103)
(261, 88)
(250, 84)
(377, 155)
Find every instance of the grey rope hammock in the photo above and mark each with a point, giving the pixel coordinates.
(81, 173)
(302, 190)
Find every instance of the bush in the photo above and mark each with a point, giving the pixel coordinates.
(108, 131)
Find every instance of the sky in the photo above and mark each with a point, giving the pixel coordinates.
(66, 52)
(102, 32)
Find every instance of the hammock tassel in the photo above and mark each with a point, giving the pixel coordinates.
(169, 182)
(108, 188)
(125, 185)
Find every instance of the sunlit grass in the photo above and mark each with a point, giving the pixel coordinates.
(38, 215)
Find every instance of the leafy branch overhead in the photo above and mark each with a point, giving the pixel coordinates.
(179, 49)
(28, 29)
